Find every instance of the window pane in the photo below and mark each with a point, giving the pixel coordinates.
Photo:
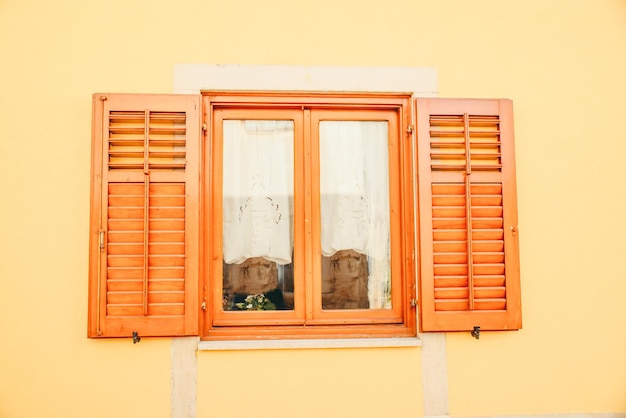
(354, 196)
(258, 214)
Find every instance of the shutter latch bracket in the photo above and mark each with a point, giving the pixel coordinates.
(136, 337)
(475, 332)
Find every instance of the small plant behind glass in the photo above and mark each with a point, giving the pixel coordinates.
(256, 302)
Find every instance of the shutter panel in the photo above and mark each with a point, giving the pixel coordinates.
(469, 260)
(145, 215)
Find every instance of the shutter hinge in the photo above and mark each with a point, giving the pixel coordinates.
(204, 127)
(409, 129)
(413, 303)
(101, 240)
(203, 306)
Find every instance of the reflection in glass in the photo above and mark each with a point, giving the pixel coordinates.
(354, 195)
(257, 214)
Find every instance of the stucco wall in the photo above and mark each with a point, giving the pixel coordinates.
(563, 64)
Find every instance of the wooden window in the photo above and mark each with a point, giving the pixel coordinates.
(144, 217)
(309, 204)
(467, 215)
(202, 203)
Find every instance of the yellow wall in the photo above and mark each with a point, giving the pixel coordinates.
(561, 61)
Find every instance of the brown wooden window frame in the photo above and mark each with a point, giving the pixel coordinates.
(308, 319)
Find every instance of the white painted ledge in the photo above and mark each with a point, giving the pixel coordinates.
(193, 78)
(311, 343)
(583, 415)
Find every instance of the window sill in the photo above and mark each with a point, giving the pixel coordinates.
(309, 343)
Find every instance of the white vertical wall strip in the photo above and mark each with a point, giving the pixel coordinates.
(435, 374)
(184, 377)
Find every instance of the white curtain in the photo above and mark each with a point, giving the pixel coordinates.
(354, 188)
(354, 192)
(258, 190)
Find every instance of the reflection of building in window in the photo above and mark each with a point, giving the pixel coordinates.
(255, 275)
(344, 281)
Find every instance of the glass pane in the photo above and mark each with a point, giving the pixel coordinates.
(354, 195)
(258, 173)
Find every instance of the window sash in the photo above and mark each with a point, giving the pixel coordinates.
(234, 318)
(318, 314)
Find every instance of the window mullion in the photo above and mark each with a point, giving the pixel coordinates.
(307, 166)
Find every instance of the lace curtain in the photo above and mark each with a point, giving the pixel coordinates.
(258, 190)
(354, 187)
(354, 193)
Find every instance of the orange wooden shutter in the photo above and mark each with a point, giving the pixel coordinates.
(469, 262)
(144, 216)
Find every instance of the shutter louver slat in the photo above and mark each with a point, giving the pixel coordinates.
(484, 142)
(126, 140)
(482, 155)
(447, 146)
(145, 280)
(466, 279)
(486, 202)
(166, 249)
(166, 140)
(450, 295)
